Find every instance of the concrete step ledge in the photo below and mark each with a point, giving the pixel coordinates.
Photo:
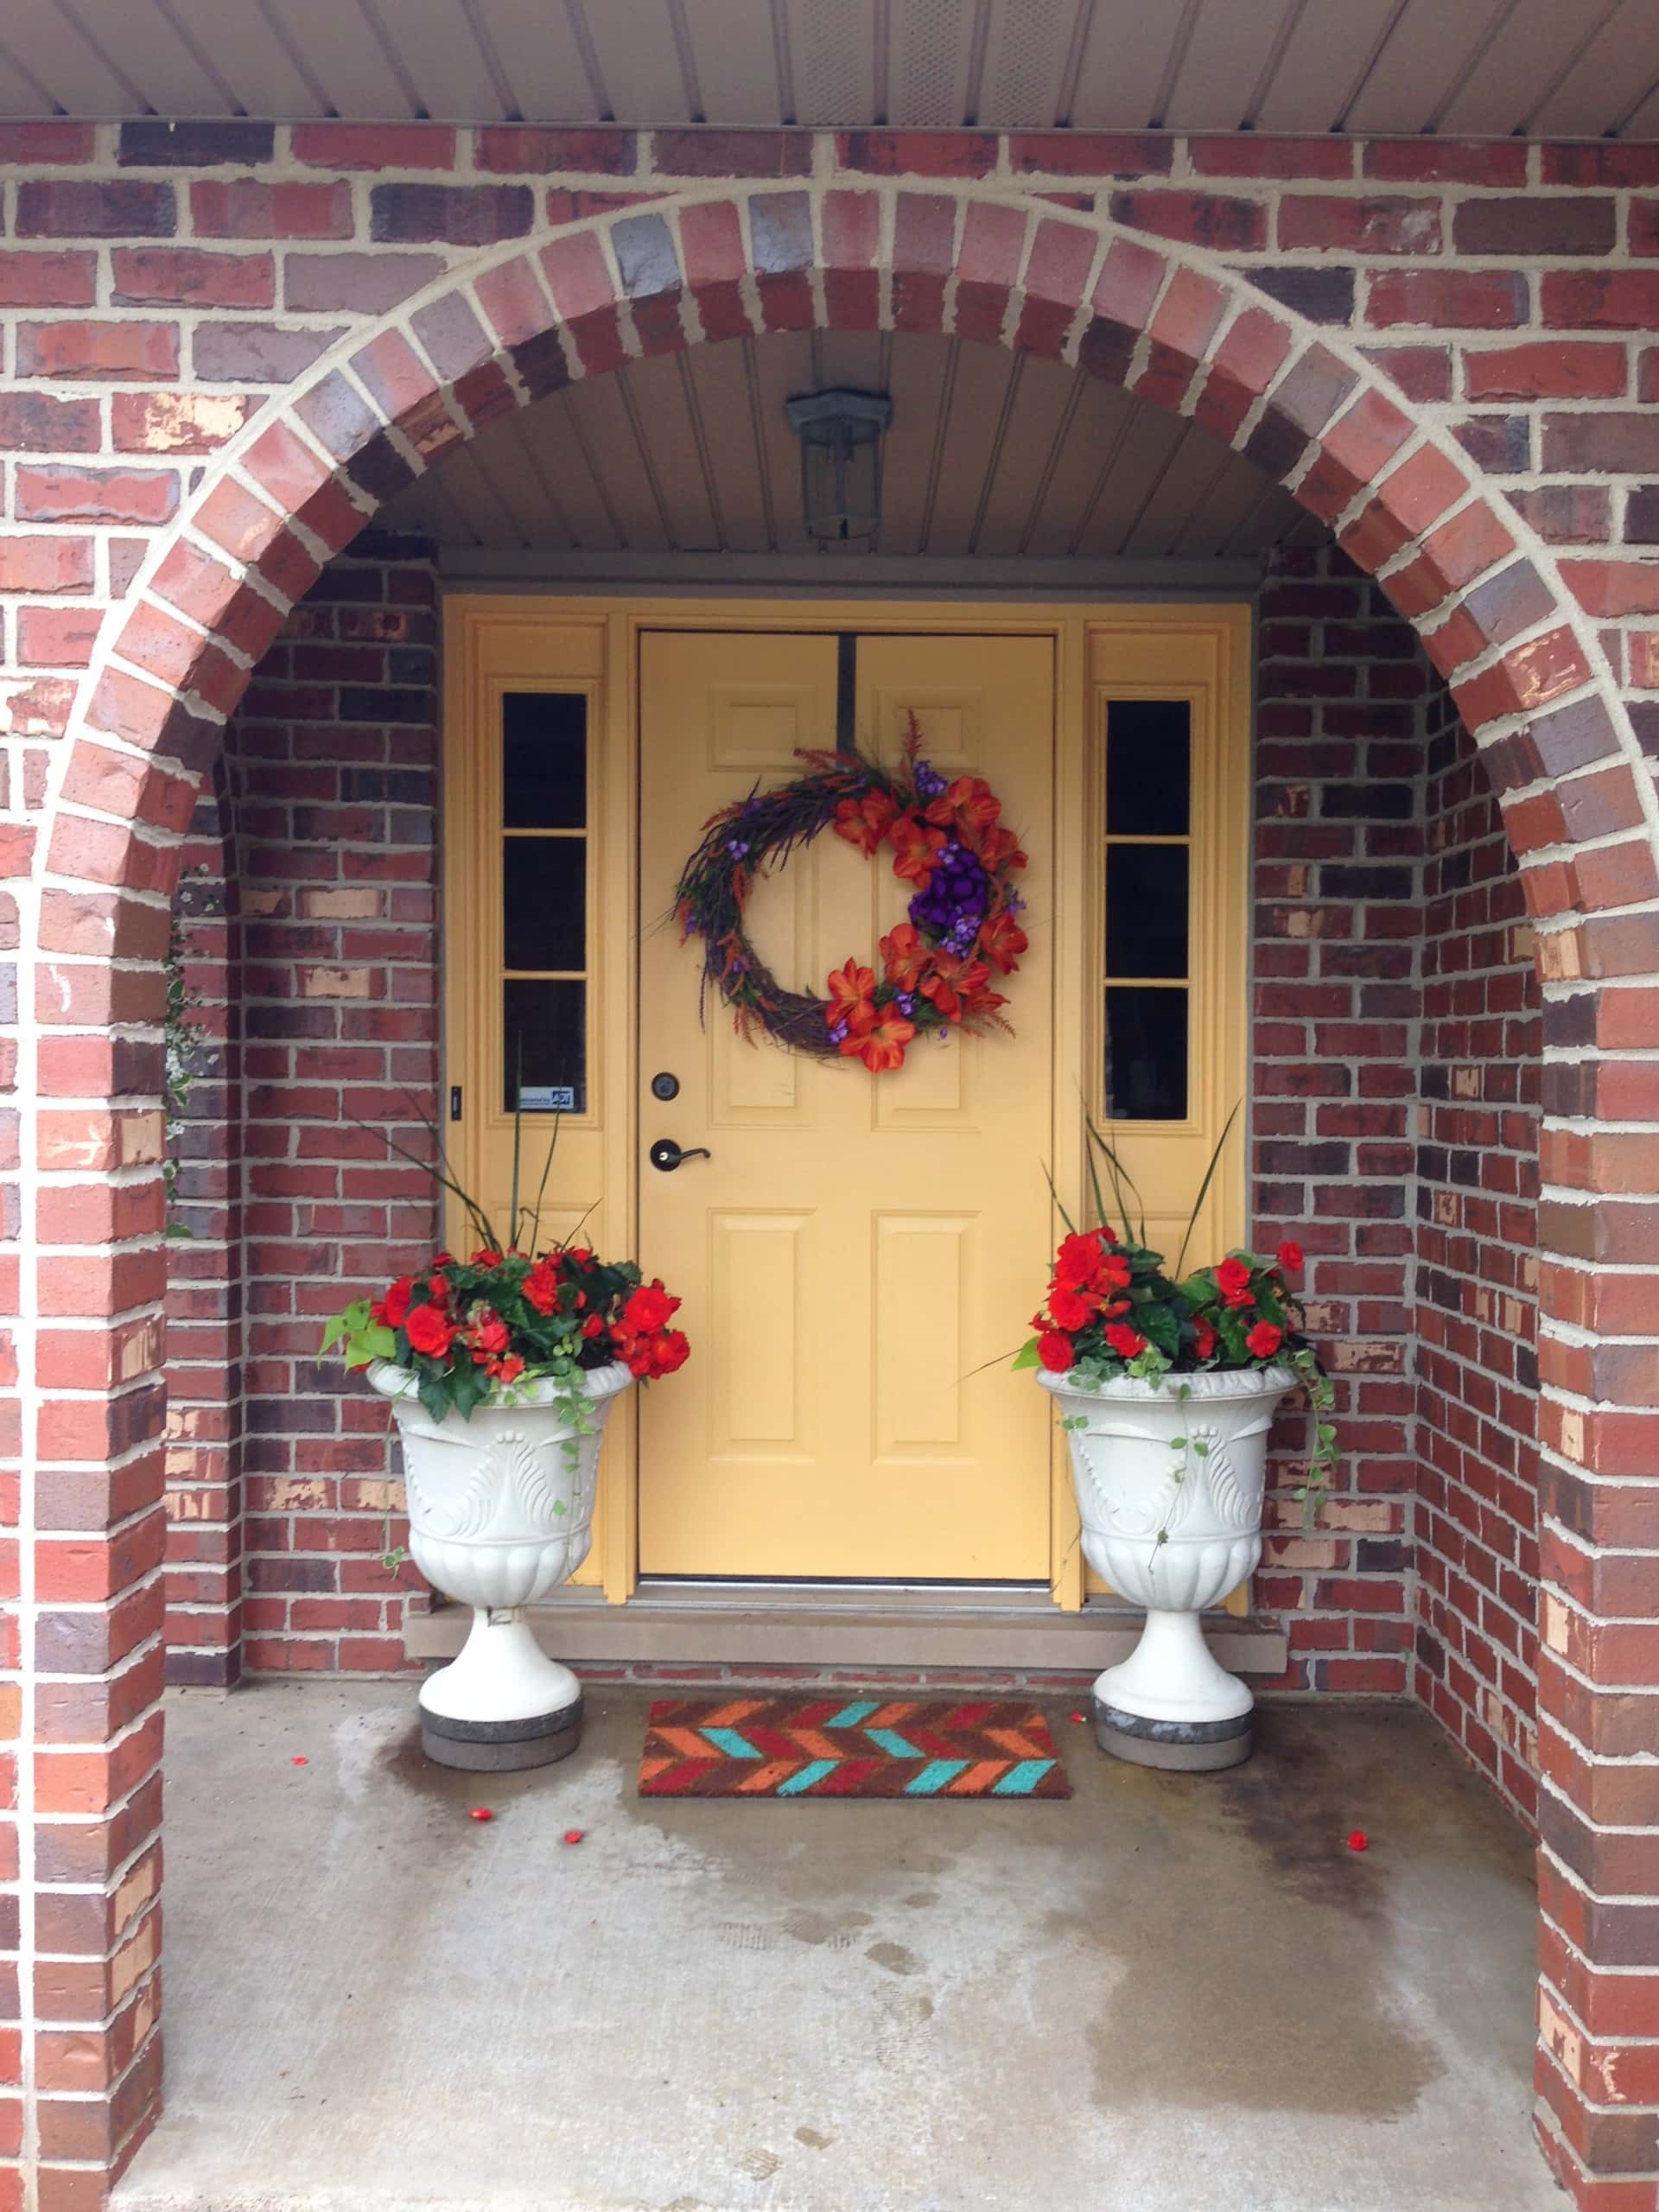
(728, 1631)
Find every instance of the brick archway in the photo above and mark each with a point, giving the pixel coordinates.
(1172, 324)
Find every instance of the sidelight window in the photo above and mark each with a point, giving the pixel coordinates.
(544, 873)
(1147, 870)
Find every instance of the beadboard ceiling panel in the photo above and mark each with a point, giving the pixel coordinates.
(1586, 68)
(990, 456)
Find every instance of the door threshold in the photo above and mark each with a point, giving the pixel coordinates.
(731, 1628)
(729, 1592)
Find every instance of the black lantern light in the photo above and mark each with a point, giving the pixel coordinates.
(841, 482)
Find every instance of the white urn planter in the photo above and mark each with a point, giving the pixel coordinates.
(500, 1513)
(1169, 1490)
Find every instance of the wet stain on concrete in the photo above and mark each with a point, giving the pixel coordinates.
(450, 1794)
(1272, 1999)
(1290, 1806)
(812, 2139)
(894, 1957)
(919, 1900)
(403, 1760)
(837, 1931)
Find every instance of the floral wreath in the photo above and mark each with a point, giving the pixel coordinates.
(947, 839)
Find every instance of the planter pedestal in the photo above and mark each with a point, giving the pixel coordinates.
(1169, 1704)
(1169, 1490)
(501, 1704)
(500, 1512)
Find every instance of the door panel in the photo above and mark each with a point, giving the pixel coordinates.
(859, 1248)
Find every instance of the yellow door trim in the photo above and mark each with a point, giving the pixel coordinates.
(493, 641)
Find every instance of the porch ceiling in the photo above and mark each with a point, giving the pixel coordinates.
(992, 456)
(1586, 68)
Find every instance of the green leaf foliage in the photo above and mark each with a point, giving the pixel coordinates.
(482, 1330)
(1112, 1310)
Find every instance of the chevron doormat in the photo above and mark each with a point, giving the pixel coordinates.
(864, 1747)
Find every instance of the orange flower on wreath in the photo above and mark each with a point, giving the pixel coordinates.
(970, 804)
(996, 848)
(1001, 940)
(865, 822)
(971, 979)
(916, 848)
(851, 991)
(904, 957)
(939, 988)
(882, 1045)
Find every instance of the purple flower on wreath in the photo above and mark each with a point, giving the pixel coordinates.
(736, 847)
(837, 1033)
(907, 1003)
(929, 782)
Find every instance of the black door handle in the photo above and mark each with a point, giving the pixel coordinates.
(667, 1155)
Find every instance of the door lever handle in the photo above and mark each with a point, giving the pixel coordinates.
(666, 1154)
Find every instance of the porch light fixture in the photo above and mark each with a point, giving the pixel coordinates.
(841, 482)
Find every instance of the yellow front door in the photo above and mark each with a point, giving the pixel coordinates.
(859, 1254)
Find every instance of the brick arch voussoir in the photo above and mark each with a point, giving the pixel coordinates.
(1168, 323)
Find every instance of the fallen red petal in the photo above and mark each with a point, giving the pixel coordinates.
(1077, 1717)
(574, 1835)
(299, 1759)
(1358, 1840)
(482, 1813)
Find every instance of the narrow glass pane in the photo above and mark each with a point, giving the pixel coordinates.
(548, 1023)
(1146, 1054)
(544, 760)
(1148, 768)
(1145, 909)
(544, 901)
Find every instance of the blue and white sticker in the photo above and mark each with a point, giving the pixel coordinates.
(546, 1098)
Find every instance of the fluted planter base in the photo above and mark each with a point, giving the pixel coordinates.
(1171, 1704)
(501, 1704)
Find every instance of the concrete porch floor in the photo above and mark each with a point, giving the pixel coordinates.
(1170, 1992)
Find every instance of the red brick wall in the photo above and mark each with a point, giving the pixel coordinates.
(1477, 1282)
(1341, 691)
(1397, 1064)
(331, 771)
(205, 1313)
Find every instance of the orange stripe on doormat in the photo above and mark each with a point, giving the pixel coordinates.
(766, 1778)
(979, 1778)
(732, 1716)
(814, 1745)
(685, 1741)
(891, 1715)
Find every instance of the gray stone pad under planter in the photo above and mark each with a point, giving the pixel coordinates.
(1182, 1746)
(501, 1746)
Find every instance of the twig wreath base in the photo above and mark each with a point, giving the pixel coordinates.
(947, 839)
